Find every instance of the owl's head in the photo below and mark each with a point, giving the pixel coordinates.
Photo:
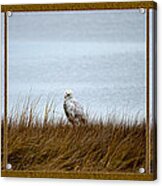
(68, 94)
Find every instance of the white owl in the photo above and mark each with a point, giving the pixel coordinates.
(73, 110)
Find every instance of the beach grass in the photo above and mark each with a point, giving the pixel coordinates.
(54, 144)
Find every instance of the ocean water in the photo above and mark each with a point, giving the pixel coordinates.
(105, 68)
(111, 79)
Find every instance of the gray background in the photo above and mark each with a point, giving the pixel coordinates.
(100, 55)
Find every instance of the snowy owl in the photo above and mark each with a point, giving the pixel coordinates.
(73, 110)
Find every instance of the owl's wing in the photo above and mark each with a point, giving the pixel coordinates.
(76, 108)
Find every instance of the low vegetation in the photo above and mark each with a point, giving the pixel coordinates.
(54, 144)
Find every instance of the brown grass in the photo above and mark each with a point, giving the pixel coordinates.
(51, 144)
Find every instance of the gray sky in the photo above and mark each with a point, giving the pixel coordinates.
(34, 46)
(107, 26)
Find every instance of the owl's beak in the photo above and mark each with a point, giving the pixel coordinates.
(66, 95)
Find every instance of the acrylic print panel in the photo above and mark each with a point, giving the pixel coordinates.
(77, 91)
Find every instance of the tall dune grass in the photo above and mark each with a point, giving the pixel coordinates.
(54, 144)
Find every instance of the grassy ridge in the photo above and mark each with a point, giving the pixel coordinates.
(56, 145)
